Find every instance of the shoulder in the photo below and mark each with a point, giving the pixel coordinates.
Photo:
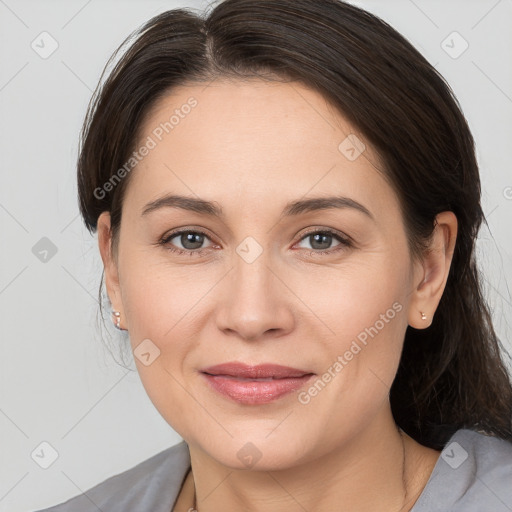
(153, 484)
(473, 473)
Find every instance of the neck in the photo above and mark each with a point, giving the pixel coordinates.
(377, 468)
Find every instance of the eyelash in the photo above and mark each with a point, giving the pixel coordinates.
(345, 242)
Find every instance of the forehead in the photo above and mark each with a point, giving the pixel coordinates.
(254, 139)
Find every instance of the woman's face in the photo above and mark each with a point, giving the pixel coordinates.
(256, 288)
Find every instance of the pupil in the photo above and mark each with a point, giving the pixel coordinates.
(189, 238)
(324, 236)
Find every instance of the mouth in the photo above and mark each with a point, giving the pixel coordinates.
(267, 371)
(260, 384)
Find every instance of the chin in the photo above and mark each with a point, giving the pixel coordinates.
(258, 452)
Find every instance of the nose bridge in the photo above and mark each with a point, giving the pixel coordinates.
(252, 269)
(256, 300)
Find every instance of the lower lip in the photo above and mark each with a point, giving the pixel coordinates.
(255, 391)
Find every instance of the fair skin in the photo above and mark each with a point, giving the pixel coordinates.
(251, 147)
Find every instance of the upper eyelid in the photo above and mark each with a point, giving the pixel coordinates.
(331, 231)
(173, 234)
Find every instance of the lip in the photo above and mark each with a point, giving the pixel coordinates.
(244, 383)
(260, 371)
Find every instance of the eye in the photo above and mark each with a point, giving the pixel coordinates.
(190, 240)
(320, 241)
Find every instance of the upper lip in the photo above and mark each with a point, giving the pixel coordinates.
(260, 371)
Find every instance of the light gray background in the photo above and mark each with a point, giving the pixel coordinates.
(58, 382)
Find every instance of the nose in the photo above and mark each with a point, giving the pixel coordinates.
(257, 303)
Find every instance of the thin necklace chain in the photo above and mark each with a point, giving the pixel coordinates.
(194, 506)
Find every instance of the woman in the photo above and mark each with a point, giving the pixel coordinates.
(287, 198)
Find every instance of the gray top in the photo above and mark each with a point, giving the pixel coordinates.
(473, 474)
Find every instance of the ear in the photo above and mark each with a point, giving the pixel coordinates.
(431, 274)
(109, 262)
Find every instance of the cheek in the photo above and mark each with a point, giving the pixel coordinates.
(158, 296)
(349, 300)
(160, 308)
(361, 357)
(364, 315)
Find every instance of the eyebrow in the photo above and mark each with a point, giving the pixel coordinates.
(293, 208)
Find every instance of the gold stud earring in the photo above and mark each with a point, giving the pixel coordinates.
(423, 316)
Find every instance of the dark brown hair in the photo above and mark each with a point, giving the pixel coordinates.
(452, 374)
